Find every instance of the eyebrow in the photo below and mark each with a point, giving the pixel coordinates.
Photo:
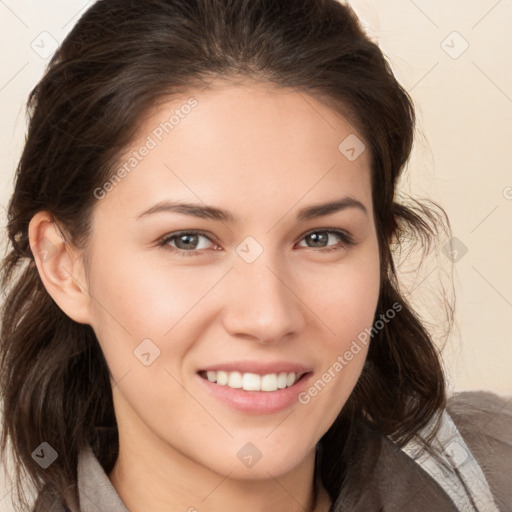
(211, 212)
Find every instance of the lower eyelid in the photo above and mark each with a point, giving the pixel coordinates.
(168, 239)
(345, 240)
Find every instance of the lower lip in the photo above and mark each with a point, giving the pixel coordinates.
(257, 402)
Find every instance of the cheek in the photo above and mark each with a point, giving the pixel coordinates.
(348, 312)
(148, 300)
(347, 307)
(347, 299)
(140, 308)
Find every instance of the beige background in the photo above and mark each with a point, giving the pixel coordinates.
(454, 59)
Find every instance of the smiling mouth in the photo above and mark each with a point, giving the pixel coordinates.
(252, 381)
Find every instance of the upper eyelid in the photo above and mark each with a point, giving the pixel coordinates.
(328, 230)
(166, 238)
(176, 234)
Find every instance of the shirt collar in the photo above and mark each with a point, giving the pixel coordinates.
(96, 492)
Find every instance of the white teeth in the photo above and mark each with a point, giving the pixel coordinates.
(222, 378)
(235, 380)
(269, 382)
(253, 381)
(282, 379)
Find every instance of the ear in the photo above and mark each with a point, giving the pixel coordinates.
(60, 267)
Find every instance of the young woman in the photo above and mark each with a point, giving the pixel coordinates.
(202, 311)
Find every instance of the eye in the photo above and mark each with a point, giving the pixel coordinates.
(186, 243)
(320, 238)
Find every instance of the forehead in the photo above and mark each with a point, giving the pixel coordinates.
(242, 141)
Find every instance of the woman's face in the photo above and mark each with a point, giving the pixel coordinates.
(261, 289)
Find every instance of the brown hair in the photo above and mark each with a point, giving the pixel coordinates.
(120, 58)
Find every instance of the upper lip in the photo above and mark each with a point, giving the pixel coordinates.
(258, 367)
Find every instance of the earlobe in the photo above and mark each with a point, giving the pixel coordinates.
(60, 267)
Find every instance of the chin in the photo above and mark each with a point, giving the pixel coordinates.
(259, 460)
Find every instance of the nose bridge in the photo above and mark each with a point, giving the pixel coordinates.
(261, 299)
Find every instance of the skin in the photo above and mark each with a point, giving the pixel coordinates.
(262, 153)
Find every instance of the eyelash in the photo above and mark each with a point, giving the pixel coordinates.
(346, 241)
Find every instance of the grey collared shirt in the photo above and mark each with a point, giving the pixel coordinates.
(97, 494)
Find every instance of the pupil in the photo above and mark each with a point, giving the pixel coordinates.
(189, 241)
(318, 237)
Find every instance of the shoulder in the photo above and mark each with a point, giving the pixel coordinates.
(484, 420)
(480, 402)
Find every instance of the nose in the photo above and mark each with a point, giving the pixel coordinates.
(262, 302)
